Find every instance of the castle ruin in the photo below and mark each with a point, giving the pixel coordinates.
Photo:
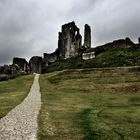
(69, 45)
(35, 64)
(70, 41)
(87, 36)
(21, 62)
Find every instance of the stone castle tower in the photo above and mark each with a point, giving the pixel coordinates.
(87, 36)
(70, 41)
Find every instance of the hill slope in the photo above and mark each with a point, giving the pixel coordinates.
(110, 58)
(99, 104)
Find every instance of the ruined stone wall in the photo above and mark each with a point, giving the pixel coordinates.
(122, 43)
(87, 56)
(10, 71)
(87, 36)
(69, 41)
(21, 62)
(50, 58)
(36, 64)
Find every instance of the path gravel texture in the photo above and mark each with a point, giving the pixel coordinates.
(21, 122)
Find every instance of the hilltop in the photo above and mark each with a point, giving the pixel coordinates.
(72, 54)
(116, 57)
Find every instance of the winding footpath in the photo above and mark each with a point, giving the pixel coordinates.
(21, 122)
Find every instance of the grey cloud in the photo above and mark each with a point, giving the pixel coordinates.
(30, 27)
(82, 7)
(123, 21)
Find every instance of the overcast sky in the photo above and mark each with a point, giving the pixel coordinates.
(30, 27)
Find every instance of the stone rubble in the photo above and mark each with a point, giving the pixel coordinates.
(21, 122)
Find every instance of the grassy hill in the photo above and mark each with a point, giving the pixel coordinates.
(86, 104)
(13, 92)
(110, 58)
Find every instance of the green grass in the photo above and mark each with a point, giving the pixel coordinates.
(97, 104)
(111, 58)
(13, 92)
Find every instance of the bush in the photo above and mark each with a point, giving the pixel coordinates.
(4, 77)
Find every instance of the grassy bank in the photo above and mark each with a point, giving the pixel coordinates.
(89, 104)
(111, 58)
(13, 92)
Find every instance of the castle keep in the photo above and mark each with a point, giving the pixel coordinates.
(87, 36)
(69, 43)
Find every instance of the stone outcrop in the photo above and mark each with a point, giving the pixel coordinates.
(36, 64)
(21, 62)
(69, 41)
(87, 36)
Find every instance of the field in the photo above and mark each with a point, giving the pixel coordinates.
(90, 104)
(13, 92)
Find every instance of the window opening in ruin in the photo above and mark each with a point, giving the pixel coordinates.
(76, 33)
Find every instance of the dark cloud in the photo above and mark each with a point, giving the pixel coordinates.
(30, 27)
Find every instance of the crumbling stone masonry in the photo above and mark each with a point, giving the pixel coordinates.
(87, 36)
(87, 56)
(121, 43)
(35, 64)
(10, 71)
(69, 41)
(50, 58)
(21, 62)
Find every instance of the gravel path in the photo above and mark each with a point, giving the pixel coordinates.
(21, 122)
